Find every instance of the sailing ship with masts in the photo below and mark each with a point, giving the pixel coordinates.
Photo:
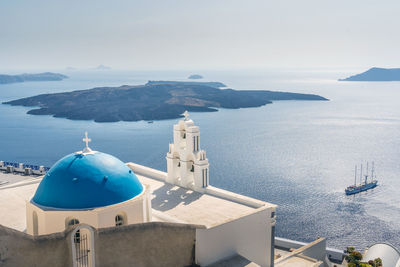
(363, 185)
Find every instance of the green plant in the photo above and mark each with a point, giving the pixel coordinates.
(350, 249)
(378, 262)
(356, 255)
(354, 258)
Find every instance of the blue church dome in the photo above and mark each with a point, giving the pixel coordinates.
(86, 181)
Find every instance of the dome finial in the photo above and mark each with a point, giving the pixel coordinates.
(186, 114)
(86, 140)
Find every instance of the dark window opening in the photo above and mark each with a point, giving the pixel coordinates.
(119, 220)
(73, 222)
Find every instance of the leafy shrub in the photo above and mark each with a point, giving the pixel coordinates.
(350, 249)
(378, 262)
(354, 258)
(356, 255)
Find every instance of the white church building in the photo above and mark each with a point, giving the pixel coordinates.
(91, 209)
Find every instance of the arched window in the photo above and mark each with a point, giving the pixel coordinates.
(73, 222)
(35, 223)
(119, 220)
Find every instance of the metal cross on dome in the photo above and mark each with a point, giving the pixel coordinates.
(86, 140)
(186, 114)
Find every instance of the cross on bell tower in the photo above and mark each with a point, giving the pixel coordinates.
(186, 114)
(86, 140)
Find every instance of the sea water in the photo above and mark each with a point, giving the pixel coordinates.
(299, 155)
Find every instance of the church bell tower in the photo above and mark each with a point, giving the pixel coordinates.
(187, 164)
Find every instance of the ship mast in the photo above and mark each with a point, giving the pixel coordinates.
(372, 171)
(361, 174)
(366, 175)
(355, 176)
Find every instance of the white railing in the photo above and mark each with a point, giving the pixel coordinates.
(22, 168)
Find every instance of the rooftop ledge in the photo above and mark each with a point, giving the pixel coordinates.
(211, 190)
(188, 206)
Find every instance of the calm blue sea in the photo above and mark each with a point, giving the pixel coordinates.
(297, 154)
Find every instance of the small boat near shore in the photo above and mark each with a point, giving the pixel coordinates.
(362, 186)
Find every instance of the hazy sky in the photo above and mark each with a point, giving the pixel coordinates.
(199, 34)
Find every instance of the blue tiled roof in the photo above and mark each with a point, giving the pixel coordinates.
(86, 181)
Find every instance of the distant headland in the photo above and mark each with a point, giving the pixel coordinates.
(156, 100)
(27, 77)
(195, 77)
(376, 75)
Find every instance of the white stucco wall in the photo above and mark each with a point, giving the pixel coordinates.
(135, 210)
(249, 237)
